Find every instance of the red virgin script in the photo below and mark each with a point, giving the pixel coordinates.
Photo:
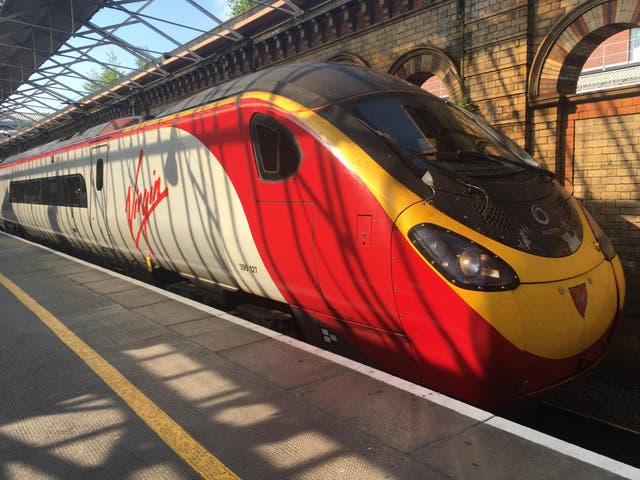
(141, 203)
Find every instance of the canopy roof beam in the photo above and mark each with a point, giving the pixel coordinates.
(48, 49)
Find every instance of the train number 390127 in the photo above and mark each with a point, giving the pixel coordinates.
(248, 268)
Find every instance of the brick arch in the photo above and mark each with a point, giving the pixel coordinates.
(350, 58)
(558, 62)
(421, 63)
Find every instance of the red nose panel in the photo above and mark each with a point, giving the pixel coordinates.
(579, 295)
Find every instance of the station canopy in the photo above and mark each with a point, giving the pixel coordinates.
(57, 56)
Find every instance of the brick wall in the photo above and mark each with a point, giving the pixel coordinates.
(498, 37)
(603, 156)
(544, 130)
(382, 45)
(546, 14)
(495, 70)
(495, 60)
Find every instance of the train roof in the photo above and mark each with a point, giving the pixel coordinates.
(310, 84)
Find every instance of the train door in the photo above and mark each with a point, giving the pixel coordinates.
(284, 205)
(99, 197)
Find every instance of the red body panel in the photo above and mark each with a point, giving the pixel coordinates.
(307, 231)
(326, 244)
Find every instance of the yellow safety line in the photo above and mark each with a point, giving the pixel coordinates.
(190, 450)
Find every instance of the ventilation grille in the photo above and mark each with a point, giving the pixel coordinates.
(494, 216)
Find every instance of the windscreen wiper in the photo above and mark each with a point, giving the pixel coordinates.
(525, 165)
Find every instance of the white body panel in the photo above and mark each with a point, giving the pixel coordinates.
(164, 196)
(53, 223)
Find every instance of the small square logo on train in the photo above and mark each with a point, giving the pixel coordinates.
(141, 202)
(579, 296)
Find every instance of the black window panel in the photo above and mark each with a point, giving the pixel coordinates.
(50, 191)
(75, 191)
(63, 190)
(33, 192)
(99, 174)
(289, 155)
(424, 130)
(268, 144)
(276, 151)
(16, 191)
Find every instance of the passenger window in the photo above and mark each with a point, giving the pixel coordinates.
(50, 191)
(277, 153)
(76, 192)
(63, 190)
(16, 192)
(33, 191)
(99, 174)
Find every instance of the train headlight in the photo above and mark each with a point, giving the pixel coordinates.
(604, 244)
(470, 262)
(461, 261)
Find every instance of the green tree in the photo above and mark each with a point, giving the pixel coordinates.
(239, 6)
(106, 76)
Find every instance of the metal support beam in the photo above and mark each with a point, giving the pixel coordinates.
(45, 54)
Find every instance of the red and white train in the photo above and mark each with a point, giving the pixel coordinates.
(391, 222)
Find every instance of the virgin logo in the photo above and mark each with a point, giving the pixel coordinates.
(141, 203)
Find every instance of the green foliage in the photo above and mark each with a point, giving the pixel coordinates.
(467, 104)
(106, 76)
(140, 62)
(239, 6)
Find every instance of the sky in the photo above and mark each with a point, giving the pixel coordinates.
(194, 23)
(175, 18)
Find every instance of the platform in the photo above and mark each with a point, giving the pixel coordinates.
(104, 377)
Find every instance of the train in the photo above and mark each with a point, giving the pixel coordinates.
(395, 226)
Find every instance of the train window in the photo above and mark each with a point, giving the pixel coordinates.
(99, 174)
(427, 133)
(75, 192)
(33, 191)
(277, 153)
(50, 191)
(16, 190)
(267, 143)
(25, 191)
(63, 190)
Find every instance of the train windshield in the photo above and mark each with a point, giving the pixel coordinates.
(429, 133)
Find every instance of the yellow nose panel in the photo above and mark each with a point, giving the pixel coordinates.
(543, 318)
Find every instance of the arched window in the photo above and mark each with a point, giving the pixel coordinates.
(614, 63)
(431, 69)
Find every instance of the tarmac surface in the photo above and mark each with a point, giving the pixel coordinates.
(103, 377)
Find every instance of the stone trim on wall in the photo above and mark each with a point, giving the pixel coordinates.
(559, 59)
(419, 64)
(348, 57)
